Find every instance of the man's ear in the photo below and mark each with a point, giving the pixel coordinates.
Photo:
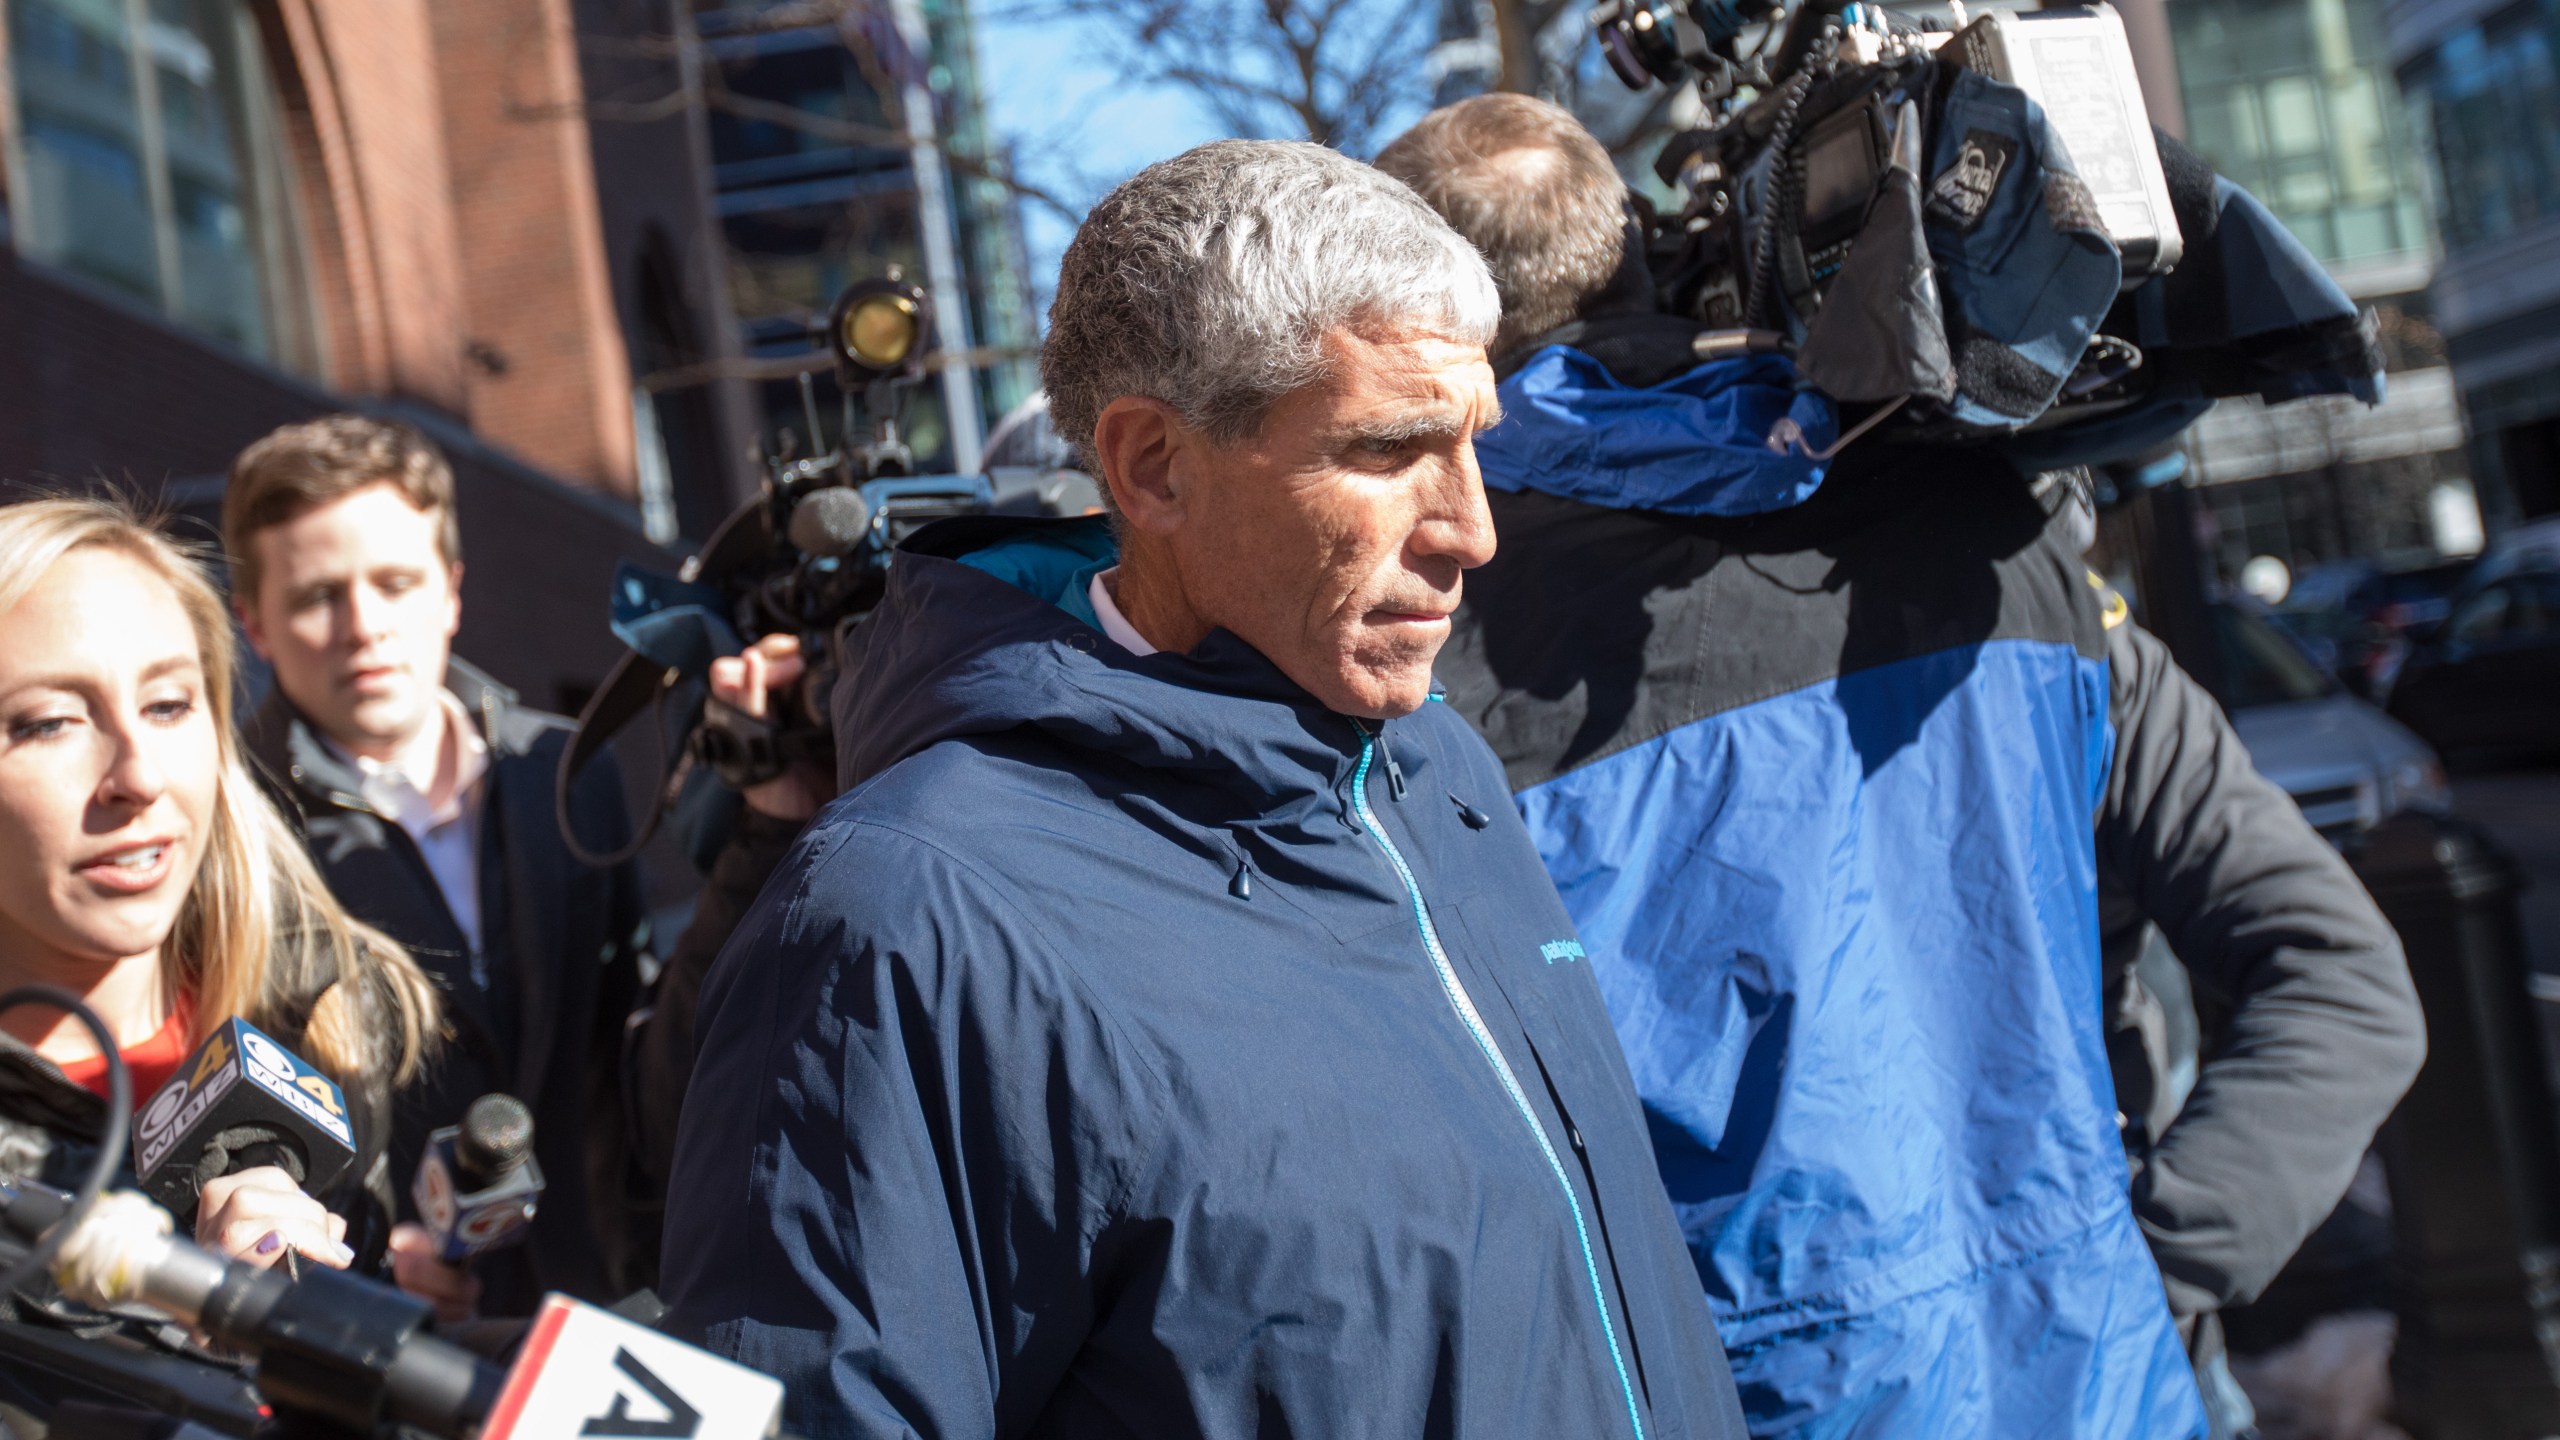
(1145, 453)
(247, 615)
(453, 583)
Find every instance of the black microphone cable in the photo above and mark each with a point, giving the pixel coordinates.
(111, 1141)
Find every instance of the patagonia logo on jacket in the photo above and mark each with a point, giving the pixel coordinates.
(1555, 950)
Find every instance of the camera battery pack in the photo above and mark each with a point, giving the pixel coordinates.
(2075, 63)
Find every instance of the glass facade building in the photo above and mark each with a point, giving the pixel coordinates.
(2293, 100)
(2482, 78)
(815, 190)
(2488, 98)
(147, 157)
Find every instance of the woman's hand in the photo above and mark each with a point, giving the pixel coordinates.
(749, 682)
(258, 1214)
(454, 1292)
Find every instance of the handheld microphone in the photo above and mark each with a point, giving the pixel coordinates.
(478, 1184)
(241, 1100)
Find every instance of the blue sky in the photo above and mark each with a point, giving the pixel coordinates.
(1076, 127)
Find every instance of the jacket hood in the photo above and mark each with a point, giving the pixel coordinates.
(975, 637)
(1697, 443)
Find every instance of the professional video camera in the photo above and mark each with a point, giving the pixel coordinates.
(808, 556)
(1970, 232)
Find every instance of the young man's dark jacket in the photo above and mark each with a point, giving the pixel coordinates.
(561, 944)
(1838, 790)
(1140, 1048)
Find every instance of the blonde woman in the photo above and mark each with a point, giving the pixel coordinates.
(142, 868)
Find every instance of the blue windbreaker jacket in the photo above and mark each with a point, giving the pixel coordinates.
(1139, 1048)
(1816, 779)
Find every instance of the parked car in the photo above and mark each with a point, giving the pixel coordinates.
(2344, 762)
(2358, 620)
(2487, 680)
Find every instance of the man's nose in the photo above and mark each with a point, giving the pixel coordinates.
(1461, 525)
(368, 614)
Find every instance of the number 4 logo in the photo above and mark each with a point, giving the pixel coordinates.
(682, 1420)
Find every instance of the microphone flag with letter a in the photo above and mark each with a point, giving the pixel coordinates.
(588, 1373)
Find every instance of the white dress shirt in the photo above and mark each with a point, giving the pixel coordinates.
(448, 834)
(1115, 624)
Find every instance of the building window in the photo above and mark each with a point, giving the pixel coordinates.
(148, 157)
(2488, 98)
(2290, 99)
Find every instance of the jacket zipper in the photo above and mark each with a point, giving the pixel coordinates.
(1465, 1006)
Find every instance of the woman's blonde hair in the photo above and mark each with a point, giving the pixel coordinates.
(260, 936)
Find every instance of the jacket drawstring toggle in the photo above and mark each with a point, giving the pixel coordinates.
(1468, 815)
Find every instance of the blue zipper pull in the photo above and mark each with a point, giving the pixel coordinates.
(1468, 815)
(1241, 886)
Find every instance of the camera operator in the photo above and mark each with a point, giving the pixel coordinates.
(424, 792)
(1834, 787)
(142, 869)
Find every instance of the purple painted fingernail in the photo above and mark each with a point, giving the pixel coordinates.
(269, 1243)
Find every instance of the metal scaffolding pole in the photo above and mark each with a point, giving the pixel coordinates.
(943, 277)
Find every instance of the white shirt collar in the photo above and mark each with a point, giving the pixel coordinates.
(1115, 624)
(402, 797)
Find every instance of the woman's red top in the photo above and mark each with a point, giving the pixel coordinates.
(150, 1062)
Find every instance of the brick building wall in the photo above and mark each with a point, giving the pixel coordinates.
(468, 263)
(94, 391)
(552, 379)
(366, 122)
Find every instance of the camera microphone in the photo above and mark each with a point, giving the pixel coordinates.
(478, 1184)
(241, 1101)
(337, 1347)
(830, 522)
(352, 1354)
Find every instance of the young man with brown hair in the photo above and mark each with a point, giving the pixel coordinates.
(425, 793)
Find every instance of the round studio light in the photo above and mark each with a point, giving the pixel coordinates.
(878, 328)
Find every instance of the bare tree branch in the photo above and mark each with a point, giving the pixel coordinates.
(1323, 70)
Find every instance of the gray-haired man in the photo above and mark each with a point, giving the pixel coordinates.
(1172, 1032)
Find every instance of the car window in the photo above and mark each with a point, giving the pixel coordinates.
(2535, 610)
(2260, 664)
(2482, 617)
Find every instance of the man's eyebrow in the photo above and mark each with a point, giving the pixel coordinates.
(1428, 425)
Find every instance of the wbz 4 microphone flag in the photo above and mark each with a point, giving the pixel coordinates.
(255, 1102)
(588, 1373)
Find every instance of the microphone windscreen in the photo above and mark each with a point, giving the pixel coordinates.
(830, 522)
(497, 1133)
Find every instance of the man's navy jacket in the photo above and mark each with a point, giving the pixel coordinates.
(1139, 1048)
